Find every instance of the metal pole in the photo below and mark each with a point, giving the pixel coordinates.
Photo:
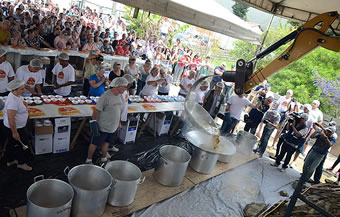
(264, 38)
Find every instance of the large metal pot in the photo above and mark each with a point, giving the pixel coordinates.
(91, 185)
(126, 178)
(245, 142)
(49, 197)
(171, 166)
(225, 158)
(203, 161)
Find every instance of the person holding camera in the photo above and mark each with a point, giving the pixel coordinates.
(271, 120)
(254, 118)
(324, 140)
(297, 130)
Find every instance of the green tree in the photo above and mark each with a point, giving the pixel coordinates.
(299, 75)
(240, 10)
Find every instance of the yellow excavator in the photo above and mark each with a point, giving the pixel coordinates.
(307, 37)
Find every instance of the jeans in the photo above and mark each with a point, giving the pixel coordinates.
(311, 163)
(251, 126)
(278, 146)
(286, 149)
(318, 171)
(229, 124)
(264, 139)
(177, 73)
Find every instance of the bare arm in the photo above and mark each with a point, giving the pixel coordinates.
(11, 121)
(38, 89)
(95, 114)
(95, 85)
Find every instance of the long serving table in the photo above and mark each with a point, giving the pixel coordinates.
(85, 111)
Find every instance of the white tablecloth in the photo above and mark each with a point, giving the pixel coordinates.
(51, 110)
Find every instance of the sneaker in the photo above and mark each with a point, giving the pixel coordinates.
(292, 165)
(12, 163)
(24, 167)
(114, 149)
(275, 164)
(108, 155)
(330, 169)
(88, 161)
(302, 156)
(103, 160)
(283, 169)
(272, 157)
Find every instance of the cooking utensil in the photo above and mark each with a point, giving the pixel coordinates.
(203, 161)
(206, 142)
(23, 145)
(196, 114)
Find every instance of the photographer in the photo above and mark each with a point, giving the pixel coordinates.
(297, 130)
(271, 120)
(324, 140)
(253, 119)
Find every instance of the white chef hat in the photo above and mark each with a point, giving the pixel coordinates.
(129, 78)
(15, 84)
(2, 52)
(63, 56)
(204, 84)
(119, 82)
(35, 63)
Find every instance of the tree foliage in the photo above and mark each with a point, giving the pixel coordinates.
(240, 10)
(299, 75)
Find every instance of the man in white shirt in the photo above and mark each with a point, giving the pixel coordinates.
(315, 113)
(186, 84)
(31, 75)
(201, 91)
(6, 73)
(63, 75)
(164, 87)
(235, 105)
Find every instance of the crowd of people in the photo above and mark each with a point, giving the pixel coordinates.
(44, 25)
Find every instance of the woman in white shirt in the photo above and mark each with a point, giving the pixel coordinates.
(15, 120)
(132, 69)
(152, 82)
(186, 84)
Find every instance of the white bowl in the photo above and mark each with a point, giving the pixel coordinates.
(62, 99)
(47, 100)
(38, 101)
(28, 98)
(58, 96)
(88, 101)
(29, 101)
(36, 98)
(44, 97)
(51, 96)
(83, 97)
(70, 98)
(75, 102)
(76, 98)
(81, 101)
(54, 99)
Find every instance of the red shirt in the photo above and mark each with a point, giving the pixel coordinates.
(120, 51)
(184, 60)
(195, 62)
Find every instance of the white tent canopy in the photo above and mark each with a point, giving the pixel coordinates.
(298, 10)
(208, 15)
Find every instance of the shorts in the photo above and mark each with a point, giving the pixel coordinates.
(301, 149)
(103, 137)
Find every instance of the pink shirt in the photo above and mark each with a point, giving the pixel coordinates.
(60, 43)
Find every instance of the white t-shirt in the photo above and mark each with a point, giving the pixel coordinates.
(316, 115)
(129, 70)
(199, 95)
(125, 100)
(283, 104)
(166, 88)
(64, 75)
(30, 78)
(187, 84)
(150, 90)
(237, 105)
(16, 103)
(6, 71)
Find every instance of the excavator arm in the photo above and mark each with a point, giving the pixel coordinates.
(306, 38)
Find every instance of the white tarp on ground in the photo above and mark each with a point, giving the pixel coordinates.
(228, 194)
(208, 15)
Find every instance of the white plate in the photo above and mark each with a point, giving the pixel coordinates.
(88, 101)
(81, 101)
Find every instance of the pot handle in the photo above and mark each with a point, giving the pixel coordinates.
(66, 170)
(141, 180)
(205, 156)
(114, 182)
(165, 162)
(37, 178)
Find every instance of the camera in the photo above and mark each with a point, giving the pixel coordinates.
(294, 116)
(294, 100)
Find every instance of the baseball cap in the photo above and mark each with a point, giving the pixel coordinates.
(331, 129)
(290, 92)
(304, 116)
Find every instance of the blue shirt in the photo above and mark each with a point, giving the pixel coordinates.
(320, 145)
(218, 78)
(96, 91)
